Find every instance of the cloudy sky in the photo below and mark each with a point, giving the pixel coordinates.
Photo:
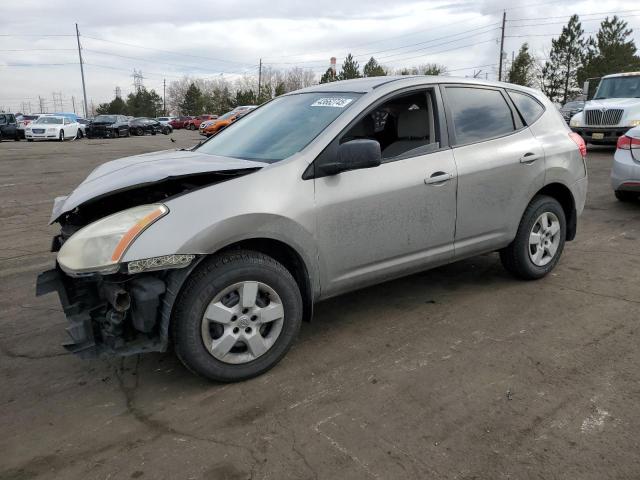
(39, 57)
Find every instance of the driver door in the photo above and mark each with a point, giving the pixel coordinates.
(379, 223)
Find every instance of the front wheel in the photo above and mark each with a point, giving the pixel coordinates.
(139, 131)
(539, 242)
(238, 315)
(61, 136)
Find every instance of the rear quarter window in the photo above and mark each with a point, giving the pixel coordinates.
(530, 109)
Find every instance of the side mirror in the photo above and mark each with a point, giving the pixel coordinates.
(354, 155)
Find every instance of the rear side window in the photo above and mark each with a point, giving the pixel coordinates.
(479, 114)
(529, 108)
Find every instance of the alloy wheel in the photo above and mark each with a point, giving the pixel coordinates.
(544, 239)
(242, 322)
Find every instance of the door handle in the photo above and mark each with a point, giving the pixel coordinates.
(529, 158)
(438, 178)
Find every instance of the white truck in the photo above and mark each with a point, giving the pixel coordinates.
(614, 109)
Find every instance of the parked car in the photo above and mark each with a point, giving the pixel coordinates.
(8, 127)
(224, 248)
(144, 125)
(108, 126)
(625, 174)
(194, 123)
(614, 109)
(214, 126)
(569, 109)
(24, 121)
(82, 123)
(179, 122)
(52, 127)
(164, 121)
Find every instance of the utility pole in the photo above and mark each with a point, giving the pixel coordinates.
(84, 89)
(164, 96)
(504, 20)
(41, 100)
(259, 80)
(73, 103)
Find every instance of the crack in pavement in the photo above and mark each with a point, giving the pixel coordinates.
(158, 427)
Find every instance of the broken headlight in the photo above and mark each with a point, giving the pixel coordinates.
(99, 246)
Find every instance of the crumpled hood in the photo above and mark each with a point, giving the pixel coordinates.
(612, 103)
(128, 172)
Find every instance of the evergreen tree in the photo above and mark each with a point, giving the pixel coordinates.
(193, 101)
(612, 51)
(328, 76)
(246, 97)
(350, 69)
(559, 74)
(373, 69)
(116, 106)
(281, 89)
(521, 71)
(144, 103)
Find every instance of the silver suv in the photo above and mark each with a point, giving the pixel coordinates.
(223, 249)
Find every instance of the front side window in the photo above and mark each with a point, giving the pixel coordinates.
(3, 119)
(530, 109)
(280, 128)
(479, 114)
(403, 125)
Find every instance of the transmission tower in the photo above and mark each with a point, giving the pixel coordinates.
(118, 92)
(137, 80)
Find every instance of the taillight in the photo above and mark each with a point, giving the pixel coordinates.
(579, 141)
(625, 143)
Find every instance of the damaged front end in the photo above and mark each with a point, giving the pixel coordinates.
(117, 314)
(116, 307)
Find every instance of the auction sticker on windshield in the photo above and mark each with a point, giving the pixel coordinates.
(337, 102)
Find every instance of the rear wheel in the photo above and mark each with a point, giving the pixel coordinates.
(61, 136)
(139, 131)
(625, 196)
(539, 241)
(238, 315)
(116, 133)
(79, 134)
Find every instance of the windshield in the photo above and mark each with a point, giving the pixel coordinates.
(619, 87)
(105, 118)
(49, 120)
(281, 128)
(29, 117)
(227, 115)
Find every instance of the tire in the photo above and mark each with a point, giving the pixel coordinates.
(29, 139)
(625, 196)
(139, 131)
(61, 136)
(116, 133)
(128, 133)
(79, 134)
(518, 257)
(192, 126)
(166, 131)
(212, 278)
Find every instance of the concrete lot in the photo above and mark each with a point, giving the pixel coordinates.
(457, 373)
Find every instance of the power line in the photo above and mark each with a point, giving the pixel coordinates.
(367, 54)
(156, 62)
(164, 51)
(565, 16)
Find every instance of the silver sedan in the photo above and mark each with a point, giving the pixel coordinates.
(625, 174)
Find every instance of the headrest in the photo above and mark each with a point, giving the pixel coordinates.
(364, 128)
(413, 124)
